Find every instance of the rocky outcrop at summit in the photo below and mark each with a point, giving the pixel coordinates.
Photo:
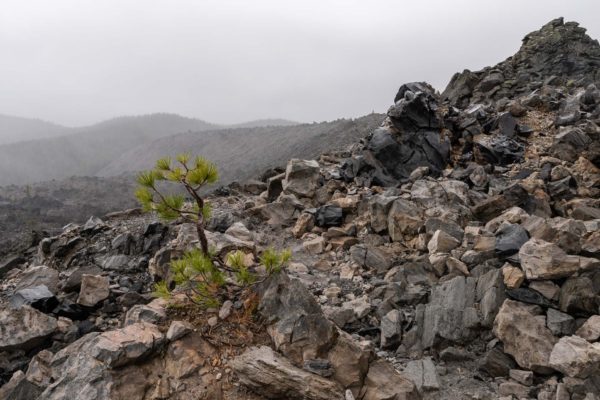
(559, 54)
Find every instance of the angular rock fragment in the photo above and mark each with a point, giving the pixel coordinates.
(329, 215)
(513, 276)
(304, 223)
(82, 369)
(498, 150)
(372, 258)
(578, 297)
(490, 208)
(153, 313)
(576, 357)
(314, 246)
(38, 297)
(301, 177)
(523, 377)
(404, 219)
(559, 323)
(423, 374)
(509, 239)
(383, 382)
(590, 330)
(451, 314)
(24, 328)
(441, 242)
(379, 207)
(524, 336)
(496, 363)
(490, 294)
(350, 360)
(391, 329)
(94, 289)
(544, 260)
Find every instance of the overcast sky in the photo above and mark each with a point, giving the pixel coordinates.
(76, 62)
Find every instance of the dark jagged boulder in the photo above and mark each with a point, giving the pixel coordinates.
(509, 239)
(410, 138)
(329, 215)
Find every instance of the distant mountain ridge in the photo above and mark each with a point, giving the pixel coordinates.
(244, 153)
(45, 151)
(86, 150)
(15, 129)
(265, 122)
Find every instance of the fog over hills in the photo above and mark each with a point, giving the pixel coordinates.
(87, 149)
(244, 152)
(35, 151)
(17, 129)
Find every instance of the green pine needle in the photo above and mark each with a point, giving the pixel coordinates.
(183, 158)
(146, 179)
(163, 164)
(161, 290)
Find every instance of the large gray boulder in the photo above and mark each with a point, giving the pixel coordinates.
(576, 357)
(82, 370)
(525, 336)
(544, 260)
(297, 325)
(301, 177)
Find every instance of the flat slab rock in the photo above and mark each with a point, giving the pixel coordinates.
(24, 328)
(263, 370)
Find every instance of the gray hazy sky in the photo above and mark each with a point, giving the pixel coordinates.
(76, 62)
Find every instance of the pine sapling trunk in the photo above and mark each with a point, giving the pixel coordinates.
(200, 221)
(201, 233)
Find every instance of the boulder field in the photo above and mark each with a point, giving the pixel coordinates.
(453, 253)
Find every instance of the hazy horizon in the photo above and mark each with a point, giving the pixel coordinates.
(75, 63)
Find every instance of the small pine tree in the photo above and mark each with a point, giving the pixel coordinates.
(199, 274)
(193, 176)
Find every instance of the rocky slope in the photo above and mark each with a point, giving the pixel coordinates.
(29, 212)
(451, 254)
(240, 153)
(243, 153)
